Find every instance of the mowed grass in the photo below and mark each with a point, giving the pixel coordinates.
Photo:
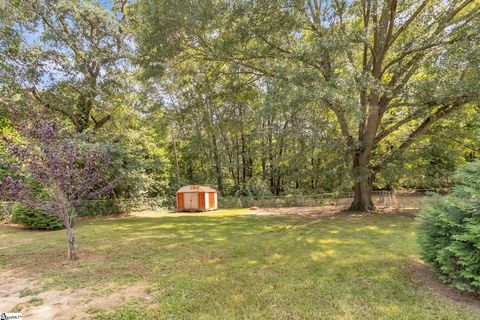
(229, 265)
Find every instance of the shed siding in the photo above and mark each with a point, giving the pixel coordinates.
(211, 200)
(180, 200)
(201, 200)
(196, 198)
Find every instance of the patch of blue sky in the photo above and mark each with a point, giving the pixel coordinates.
(52, 71)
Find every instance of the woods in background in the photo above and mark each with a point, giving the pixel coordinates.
(253, 98)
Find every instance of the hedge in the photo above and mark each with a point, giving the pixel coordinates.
(449, 231)
(92, 208)
(35, 219)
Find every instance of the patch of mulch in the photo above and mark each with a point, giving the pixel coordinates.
(423, 274)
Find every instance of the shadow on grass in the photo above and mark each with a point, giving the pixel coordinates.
(261, 266)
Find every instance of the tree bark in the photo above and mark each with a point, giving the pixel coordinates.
(362, 200)
(72, 245)
(218, 163)
(177, 166)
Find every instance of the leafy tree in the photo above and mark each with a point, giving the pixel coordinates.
(430, 162)
(72, 59)
(68, 171)
(67, 56)
(380, 67)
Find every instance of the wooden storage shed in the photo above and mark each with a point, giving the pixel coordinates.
(196, 198)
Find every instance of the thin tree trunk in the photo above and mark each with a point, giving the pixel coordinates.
(68, 216)
(72, 253)
(72, 245)
(177, 167)
(244, 160)
(218, 164)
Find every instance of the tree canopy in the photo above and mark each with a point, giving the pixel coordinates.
(254, 97)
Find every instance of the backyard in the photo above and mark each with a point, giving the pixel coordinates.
(239, 159)
(227, 264)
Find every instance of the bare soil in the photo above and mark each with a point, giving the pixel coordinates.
(20, 294)
(324, 211)
(423, 273)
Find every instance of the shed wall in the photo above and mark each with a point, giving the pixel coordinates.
(197, 201)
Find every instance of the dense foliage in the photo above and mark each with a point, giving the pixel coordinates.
(251, 97)
(54, 173)
(449, 231)
(35, 218)
(311, 88)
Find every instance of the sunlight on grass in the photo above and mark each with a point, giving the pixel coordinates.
(229, 265)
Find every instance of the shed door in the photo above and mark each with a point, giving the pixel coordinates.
(191, 200)
(211, 200)
(201, 200)
(180, 200)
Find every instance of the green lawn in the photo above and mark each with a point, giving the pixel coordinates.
(226, 265)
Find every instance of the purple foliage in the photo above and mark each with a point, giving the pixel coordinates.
(68, 170)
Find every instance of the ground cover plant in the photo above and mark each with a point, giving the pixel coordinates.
(229, 265)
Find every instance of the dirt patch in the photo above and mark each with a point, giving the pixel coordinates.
(423, 273)
(47, 259)
(27, 296)
(306, 212)
(151, 213)
(324, 211)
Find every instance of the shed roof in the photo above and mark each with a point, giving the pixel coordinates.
(196, 188)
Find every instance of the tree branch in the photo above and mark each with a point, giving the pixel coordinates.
(101, 122)
(419, 131)
(342, 120)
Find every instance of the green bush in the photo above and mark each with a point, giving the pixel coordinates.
(449, 231)
(35, 219)
(92, 208)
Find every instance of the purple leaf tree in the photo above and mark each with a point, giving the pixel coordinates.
(68, 170)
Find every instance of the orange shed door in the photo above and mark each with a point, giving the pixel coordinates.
(179, 200)
(211, 200)
(201, 200)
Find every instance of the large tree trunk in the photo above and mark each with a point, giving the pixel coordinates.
(362, 200)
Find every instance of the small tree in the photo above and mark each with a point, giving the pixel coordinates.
(68, 171)
(449, 231)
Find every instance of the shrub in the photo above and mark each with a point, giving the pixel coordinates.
(35, 219)
(449, 231)
(106, 207)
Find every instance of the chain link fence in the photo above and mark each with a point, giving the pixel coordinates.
(399, 199)
(91, 208)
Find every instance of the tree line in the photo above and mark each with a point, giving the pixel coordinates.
(252, 97)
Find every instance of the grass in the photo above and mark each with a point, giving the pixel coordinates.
(226, 265)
